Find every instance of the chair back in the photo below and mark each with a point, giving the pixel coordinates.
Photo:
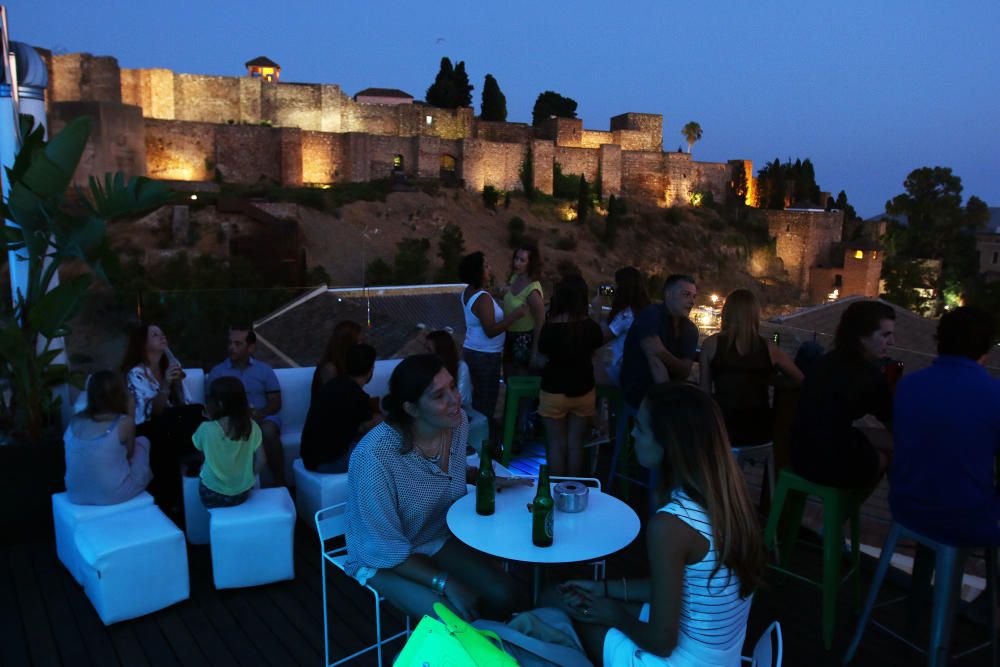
(767, 652)
(331, 522)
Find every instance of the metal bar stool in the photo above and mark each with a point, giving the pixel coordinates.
(839, 505)
(518, 387)
(948, 565)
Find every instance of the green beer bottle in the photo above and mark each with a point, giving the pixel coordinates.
(542, 510)
(486, 492)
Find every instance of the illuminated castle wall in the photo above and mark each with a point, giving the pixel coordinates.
(189, 127)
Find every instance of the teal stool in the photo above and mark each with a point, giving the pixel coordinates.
(948, 569)
(518, 387)
(838, 506)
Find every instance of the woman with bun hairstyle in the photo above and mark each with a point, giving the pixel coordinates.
(402, 478)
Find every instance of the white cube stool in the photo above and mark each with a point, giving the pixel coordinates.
(195, 514)
(314, 491)
(132, 563)
(196, 518)
(67, 517)
(252, 543)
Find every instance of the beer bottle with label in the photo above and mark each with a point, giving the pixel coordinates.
(485, 483)
(542, 511)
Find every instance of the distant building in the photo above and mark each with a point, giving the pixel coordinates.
(383, 96)
(263, 68)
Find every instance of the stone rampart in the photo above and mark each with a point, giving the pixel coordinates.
(578, 161)
(648, 129)
(804, 239)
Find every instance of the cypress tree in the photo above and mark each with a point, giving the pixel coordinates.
(462, 95)
(494, 105)
(583, 201)
(441, 92)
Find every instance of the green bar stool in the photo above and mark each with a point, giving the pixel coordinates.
(518, 387)
(838, 506)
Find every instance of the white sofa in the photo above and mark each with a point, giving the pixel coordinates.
(296, 386)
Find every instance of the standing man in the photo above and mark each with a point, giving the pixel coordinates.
(662, 342)
(263, 393)
(946, 429)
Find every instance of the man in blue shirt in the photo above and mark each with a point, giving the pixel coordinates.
(947, 435)
(661, 343)
(263, 393)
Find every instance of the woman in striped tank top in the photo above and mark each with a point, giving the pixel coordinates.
(705, 548)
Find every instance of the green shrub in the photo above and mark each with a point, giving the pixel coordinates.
(515, 228)
(566, 242)
(411, 262)
(378, 272)
(491, 196)
(564, 186)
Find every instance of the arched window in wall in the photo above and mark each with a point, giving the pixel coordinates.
(397, 162)
(448, 164)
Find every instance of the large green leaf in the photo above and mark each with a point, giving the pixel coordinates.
(114, 198)
(51, 314)
(51, 171)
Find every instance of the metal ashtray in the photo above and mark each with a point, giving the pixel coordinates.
(571, 497)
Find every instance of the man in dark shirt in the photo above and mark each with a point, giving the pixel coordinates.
(662, 342)
(947, 436)
(339, 414)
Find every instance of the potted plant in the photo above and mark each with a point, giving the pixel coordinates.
(46, 234)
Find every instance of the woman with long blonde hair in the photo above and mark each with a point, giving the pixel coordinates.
(705, 548)
(736, 369)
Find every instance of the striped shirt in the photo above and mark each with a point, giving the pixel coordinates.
(397, 503)
(713, 619)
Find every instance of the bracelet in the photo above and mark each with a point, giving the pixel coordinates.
(625, 589)
(439, 582)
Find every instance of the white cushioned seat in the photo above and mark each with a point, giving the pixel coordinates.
(314, 491)
(132, 563)
(195, 515)
(252, 542)
(67, 518)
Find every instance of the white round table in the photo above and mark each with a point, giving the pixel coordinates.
(606, 526)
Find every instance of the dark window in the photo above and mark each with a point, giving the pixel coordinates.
(996, 256)
(838, 280)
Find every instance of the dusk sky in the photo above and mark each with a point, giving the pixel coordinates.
(869, 90)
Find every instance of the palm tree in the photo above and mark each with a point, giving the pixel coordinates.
(691, 132)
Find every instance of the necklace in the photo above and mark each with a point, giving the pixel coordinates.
(436, 457)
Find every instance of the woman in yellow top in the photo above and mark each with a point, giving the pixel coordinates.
(521, 347)
(229, 443)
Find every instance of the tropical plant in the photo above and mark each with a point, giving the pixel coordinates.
(47, 233)
(691, 132)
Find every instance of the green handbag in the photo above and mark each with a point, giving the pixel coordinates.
(451, 642)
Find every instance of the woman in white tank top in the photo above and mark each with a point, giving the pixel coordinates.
(705, 561)
(485, 327)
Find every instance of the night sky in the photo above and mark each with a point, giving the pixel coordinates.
(869, 90)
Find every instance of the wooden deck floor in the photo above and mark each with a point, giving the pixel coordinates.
(45, 618)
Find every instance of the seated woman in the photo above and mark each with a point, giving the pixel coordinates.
(161, 409)
(339, 414)
(403, 477)
(333, 363)
(229, 443)
(705, 549)
(105, 463)
(842, 386)
(736, 368)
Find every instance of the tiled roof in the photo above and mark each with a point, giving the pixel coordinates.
(382, 92)
(296, 334)
(261, 61)
(916, 345)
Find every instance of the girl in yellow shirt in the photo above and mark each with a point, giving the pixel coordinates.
(229, 442)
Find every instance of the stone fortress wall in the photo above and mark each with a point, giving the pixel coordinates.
(187, 127)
